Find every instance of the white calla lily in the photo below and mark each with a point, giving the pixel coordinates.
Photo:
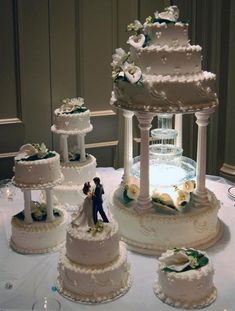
(137, 41)
(177, 261)
(26, 151)
(132, 73)
(171, 13)
(133, 191)
(119, 58)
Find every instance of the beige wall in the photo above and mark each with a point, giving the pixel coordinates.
(52, 49)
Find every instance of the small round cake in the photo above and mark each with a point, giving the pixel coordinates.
(40, 236)
(36, 167)
(185, 278)
(72, 117)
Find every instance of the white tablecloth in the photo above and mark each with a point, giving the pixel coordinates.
(33, 276)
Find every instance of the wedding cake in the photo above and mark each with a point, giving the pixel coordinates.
(93, 266)
(162, 75)
(39, 228)
(162, 71)
(78, 167)
(185, 278)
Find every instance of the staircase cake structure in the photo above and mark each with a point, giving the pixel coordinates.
(185, 278)
(78, 167)
(162, 201)
(39, 228)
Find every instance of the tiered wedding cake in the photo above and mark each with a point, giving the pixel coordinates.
(73, 119)
(161, 75)
(38, 228)
(93, 266)
(185, 278)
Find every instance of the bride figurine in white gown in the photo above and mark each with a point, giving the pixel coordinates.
(84, 218)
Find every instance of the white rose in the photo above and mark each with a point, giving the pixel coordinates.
(119, 58)
(42, 151)
(133, 191)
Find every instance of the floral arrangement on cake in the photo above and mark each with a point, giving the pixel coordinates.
(38, 212)
(124, 69)
(131, 192)
(169, 15)
(72, 105)
(34, 151)
(179, 198)
(74, 154)
(182, 259)
(98, 228)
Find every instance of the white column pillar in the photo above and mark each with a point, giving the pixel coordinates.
(202, 122)
(179, 128)
(82, 148)
(145, 119)
(27, 206)
(64, 145)
(128, 144)
(49, 206)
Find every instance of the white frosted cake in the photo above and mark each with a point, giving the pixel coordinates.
(161, 75)
(72, 116)
(78, 167)
(162, 71)
(93, 267)
(34, 170)
(39, 236)
(185, 279)
(39, 228)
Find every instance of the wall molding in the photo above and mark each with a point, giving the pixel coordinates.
(104, 144)
(102, 113)
(10, 121)
(8, 155)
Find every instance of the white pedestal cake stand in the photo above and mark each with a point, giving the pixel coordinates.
(147, 231)
(27, 227)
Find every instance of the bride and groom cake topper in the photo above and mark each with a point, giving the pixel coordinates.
(92, 205)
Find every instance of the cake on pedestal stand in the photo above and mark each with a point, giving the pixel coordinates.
(78, 167)
(38, 228)
(162, 74)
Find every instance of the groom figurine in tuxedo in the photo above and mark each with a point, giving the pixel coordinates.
(98, 201)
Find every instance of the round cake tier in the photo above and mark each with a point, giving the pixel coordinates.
(69, 122)
(172, 34)
(71, 132)
(38, 174)
(38, 237)
(84, 248)
(188, 289)
(94, 284)
(153, 232)
(167, 94)
(166, 60)
(77, 173)
(167, 170)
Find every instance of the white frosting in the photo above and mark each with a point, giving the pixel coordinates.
(93, 284)
(84, 248)
(151, 232)
(189, 289)
(43, 172)
(169, 93)
(38, 237)
(77, 173)
(167, 34)
(168, 60)
(71, 122)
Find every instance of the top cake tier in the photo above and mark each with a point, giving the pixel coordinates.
(162, 72)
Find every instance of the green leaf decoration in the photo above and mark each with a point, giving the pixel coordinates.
(78, 109)
(147, 41)
(35, 157)
(125, 197)
(196, 260)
